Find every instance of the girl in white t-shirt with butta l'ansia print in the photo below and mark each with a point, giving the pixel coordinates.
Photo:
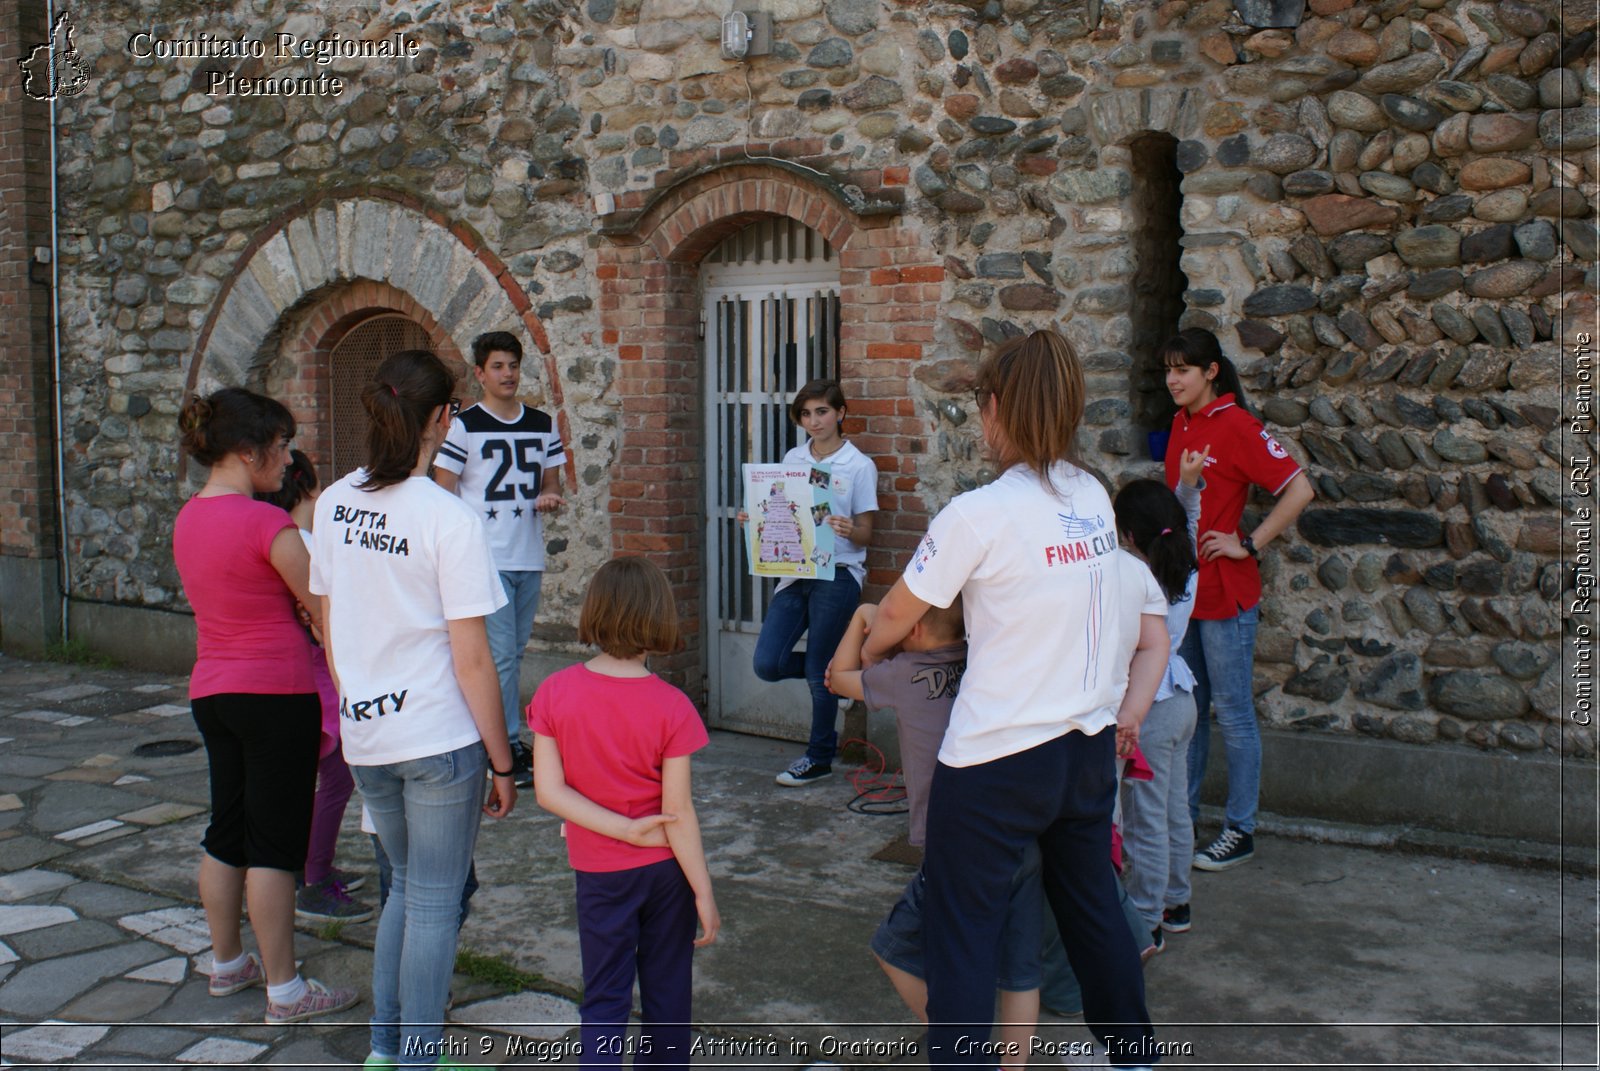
(1066, 648)
(406, 579)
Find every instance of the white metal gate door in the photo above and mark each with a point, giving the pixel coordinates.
(771, 323)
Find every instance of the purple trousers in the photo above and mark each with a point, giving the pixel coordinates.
(334, 786)
(637, 922)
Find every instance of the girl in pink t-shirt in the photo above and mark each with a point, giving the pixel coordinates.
(611, 751)
(253, 695)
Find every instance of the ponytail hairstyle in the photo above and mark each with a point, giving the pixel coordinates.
(1199, 348)
(403, 394)
(299, 480)
(1153, 520)
(827, 390)
(1037, 382)
(232, 420)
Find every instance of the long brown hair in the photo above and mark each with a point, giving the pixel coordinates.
(1037, 384)
(403, 394)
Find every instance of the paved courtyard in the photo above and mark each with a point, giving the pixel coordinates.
(1316, 954)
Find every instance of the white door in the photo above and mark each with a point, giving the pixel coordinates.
(771, 322)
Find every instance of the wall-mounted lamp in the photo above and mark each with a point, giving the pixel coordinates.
(746, 34)
(735, 35)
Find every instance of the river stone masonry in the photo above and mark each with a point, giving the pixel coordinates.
(1386, 213)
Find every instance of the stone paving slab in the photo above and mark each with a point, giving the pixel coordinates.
(52, 1043)
(168, 971)
(29, 765)
(59, 806)
(20, 918)
(533, 1015)
(158, 814)
(222, 1050)
(154, 1042)
(79, 936)
(68, 691)
(18, 853)
(95, 899)
(118, 1001)
(38, 989)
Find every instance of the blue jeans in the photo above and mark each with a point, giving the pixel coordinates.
(386, 881)
(509, 628)
(820, 610)
(1222, 655)
(426, 813)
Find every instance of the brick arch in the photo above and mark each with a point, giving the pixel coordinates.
(363, 235)
(689, 222)
(300, 377)
(890, 291)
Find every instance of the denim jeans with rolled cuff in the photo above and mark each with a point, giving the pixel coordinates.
(426, 812)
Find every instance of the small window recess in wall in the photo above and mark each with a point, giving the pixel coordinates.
(1159, 283)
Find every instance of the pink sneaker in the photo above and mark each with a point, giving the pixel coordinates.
(227, 984)
(317, 1000)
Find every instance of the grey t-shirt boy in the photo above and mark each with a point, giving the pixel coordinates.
(920, 687)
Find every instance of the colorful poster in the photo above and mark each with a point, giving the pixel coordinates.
(787, 505)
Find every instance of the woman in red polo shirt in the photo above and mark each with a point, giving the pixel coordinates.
(1221, 642)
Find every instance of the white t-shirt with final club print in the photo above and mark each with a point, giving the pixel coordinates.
(397, 565)
(1051, 606)
(501, 465)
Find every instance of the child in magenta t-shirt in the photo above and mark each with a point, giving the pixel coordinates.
(611, 749)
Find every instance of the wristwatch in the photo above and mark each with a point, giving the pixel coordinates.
(1249, 546)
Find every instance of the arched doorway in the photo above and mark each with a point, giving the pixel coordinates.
(353, 360)
(770, 314)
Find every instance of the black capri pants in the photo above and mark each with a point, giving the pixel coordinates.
(262, 751)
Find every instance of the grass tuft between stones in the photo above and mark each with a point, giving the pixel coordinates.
(497, 972)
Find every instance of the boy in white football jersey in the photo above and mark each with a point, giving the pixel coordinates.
(504, 459)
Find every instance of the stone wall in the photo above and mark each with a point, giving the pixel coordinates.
(1386, 213)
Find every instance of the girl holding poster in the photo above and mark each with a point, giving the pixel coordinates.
(820, 609)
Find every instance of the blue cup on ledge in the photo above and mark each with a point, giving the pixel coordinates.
(1157, 441)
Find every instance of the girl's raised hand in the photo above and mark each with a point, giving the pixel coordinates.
(710, 919)
(647, 832)
(1193, 465)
